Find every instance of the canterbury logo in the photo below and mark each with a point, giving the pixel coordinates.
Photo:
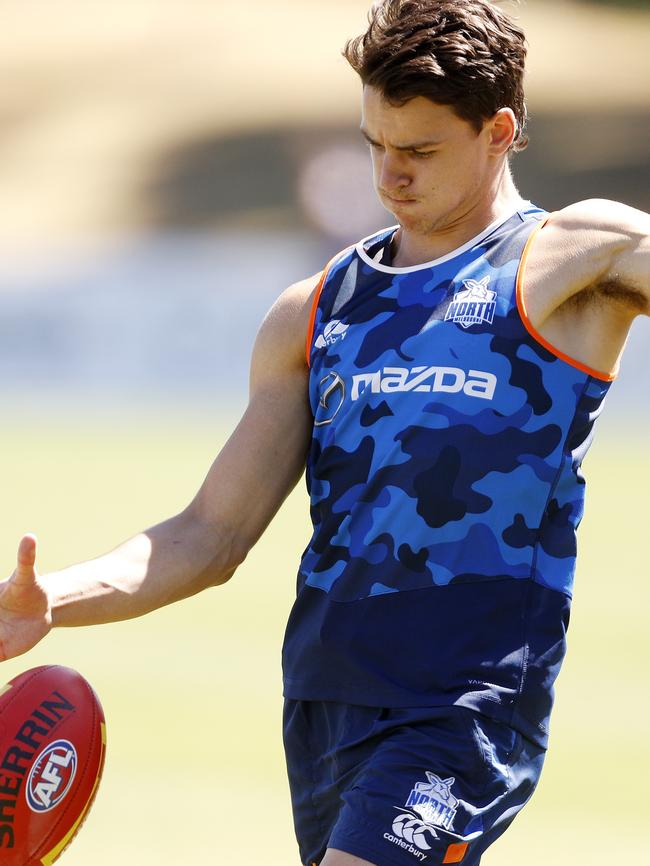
(413, 831)
(453, 380)
(332, 333)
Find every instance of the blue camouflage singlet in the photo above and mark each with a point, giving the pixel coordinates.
(445, 486)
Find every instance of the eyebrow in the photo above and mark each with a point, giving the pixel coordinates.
(416, 146)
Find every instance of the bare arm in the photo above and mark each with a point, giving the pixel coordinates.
(595, 246)
(203, 545)
(588, 277)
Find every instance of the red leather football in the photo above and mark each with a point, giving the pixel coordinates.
(52, 747)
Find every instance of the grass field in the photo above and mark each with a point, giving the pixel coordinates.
(195, 771)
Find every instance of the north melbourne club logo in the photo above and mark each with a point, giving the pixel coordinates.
(474, 305)
(433, 807)
(434, 802)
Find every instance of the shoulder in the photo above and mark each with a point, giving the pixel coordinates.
(292, 315)
(293, 306)
(603, 219)
(283, 333)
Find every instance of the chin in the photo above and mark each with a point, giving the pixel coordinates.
(416, 225)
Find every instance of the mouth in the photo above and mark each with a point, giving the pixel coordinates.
(400, 201)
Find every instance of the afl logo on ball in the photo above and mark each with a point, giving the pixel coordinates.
(51, 776)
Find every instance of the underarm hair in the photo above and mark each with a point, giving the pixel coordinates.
(613, 291)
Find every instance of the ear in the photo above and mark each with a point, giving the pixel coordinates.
(503, 131)
(449, 782)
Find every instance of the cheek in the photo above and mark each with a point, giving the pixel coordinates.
(451, 174)
(440, 177)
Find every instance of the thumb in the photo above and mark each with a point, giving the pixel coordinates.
(25, 571)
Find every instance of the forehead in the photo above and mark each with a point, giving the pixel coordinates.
(418, 119)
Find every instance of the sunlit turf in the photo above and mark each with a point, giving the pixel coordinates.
(195, 771)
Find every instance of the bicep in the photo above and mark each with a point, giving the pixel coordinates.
(629, 272)
(606, 247)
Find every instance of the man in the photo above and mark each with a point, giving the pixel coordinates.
(440, 381)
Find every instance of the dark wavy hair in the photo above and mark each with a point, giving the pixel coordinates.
(467, 54)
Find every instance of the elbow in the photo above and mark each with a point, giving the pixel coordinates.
(231, 556)
(220, 546)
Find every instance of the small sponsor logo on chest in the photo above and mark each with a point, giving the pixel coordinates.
(474, 305)
(332, 333)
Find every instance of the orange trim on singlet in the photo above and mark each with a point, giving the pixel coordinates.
(312, 315)
(521, 306)
(314, 306)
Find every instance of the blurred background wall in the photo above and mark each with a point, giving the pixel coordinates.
(167, 167)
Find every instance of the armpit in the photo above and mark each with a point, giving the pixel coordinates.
(610, 291)
(615, 290)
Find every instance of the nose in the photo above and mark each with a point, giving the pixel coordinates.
(392, 175)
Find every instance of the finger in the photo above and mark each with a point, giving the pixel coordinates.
(26, 558)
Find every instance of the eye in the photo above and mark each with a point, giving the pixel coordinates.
(423, 154)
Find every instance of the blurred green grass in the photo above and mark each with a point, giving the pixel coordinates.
(195, 771)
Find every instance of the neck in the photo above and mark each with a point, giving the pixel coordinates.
(412, 247)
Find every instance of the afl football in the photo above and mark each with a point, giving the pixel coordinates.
(52, 747)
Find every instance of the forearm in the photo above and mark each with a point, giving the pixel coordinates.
(171, 561)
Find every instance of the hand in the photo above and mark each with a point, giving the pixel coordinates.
(25, 610)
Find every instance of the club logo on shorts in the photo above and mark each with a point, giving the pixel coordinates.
(434, 802)
(51, 776)
(474, 305)
(433, 807)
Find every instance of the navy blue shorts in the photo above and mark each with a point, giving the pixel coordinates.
(399, 787)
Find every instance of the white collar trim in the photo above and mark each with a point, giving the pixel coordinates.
(360, 247)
